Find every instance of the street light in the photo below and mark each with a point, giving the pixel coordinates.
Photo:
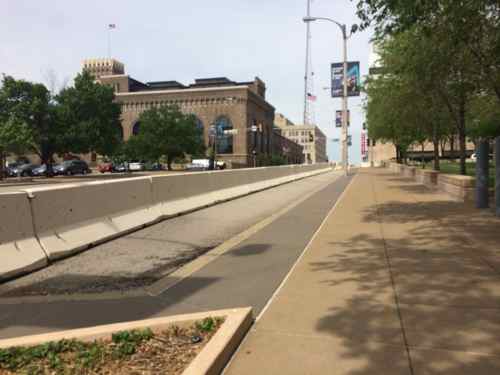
(344, 99)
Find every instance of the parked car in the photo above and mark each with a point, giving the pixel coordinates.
(198, 165)
(105, 167)
(136, 165)
(154, 166)
(120, 168)
(204, 165)
(40, 171)
(23, 170)
(71, 167)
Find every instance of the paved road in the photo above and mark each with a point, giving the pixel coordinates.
(247, 275)
(144, 256)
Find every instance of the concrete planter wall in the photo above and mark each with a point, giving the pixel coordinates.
(211, 360)
(458, 187)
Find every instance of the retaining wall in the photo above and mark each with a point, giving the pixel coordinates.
(458, 187)
(44, 224)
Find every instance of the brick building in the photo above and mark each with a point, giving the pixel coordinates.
(292, 151)
(217, 102)
(310, 137)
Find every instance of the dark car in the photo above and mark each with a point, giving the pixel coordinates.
(149, 166)
(120, 168)
(23, 170)
(71, 167)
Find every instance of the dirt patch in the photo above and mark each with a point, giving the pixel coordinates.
(128, 352)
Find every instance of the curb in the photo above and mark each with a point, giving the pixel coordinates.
(210, 361)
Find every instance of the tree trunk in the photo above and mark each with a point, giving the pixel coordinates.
(46, 157)
(461, 137)
(2, 165)
(435, 143)
(169, 163)
(398, 154)
(437, 167)
(423, 156)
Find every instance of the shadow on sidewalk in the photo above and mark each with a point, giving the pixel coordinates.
(446, 273)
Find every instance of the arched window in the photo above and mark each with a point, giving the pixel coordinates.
(224, 141)
(200, 127)
(136, 128)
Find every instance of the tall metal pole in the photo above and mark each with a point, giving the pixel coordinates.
(306, 74)
(482, 174)
(345, 162)
(109, 43)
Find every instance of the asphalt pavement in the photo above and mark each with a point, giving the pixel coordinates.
(143, 257)
(246, 275)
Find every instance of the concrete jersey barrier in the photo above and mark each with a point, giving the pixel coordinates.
(20, 251)
(46, 223)
(70, 218)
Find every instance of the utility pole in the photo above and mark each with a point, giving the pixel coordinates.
(306, 119)
(345, 162)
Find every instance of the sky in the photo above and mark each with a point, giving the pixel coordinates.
(161, 40)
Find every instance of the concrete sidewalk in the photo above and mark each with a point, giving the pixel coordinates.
(398, 280)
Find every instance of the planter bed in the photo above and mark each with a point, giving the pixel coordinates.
(172, 345)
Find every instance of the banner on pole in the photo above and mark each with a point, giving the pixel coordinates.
(338, 119)
(363, 144)
(353, 79)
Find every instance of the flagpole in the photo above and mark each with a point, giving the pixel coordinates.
(109, 42)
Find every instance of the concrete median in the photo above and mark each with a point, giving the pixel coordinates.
(70, 218)
(20, 251)
(47, 223)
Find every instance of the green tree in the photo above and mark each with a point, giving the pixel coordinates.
(15, 137)
(80, 119)
(31, 112)
(165, 132)
(469, 25)
(88, 117)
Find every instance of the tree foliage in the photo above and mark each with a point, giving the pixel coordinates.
(89, 117)
(165, 132)
(444, 54)
(81, 119)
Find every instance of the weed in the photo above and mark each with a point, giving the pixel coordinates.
(206, 325)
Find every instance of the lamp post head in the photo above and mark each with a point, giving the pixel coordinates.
(309, 19)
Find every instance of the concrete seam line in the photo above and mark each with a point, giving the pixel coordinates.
(163, 284)
(391, 275)
(271, 299)
(330, 212)
(30, 197)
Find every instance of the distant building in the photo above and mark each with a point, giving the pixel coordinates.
(217, 102)
(311, 138)
(290, 150)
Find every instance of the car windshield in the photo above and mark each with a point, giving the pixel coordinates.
(67, 163)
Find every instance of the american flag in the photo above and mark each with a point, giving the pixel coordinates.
(311, 97)
(112, 26)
